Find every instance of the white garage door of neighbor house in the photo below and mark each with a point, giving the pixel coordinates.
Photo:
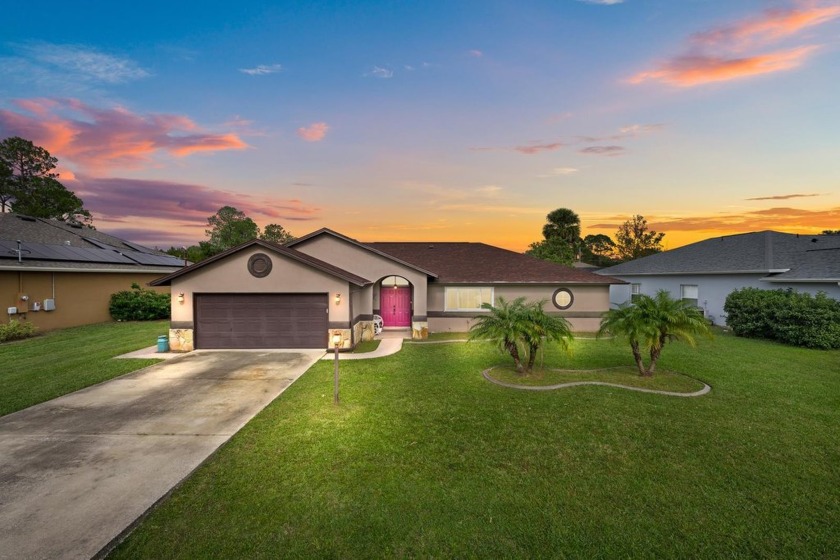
(251, 321)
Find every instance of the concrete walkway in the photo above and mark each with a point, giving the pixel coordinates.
(77, 471)
(391, 342)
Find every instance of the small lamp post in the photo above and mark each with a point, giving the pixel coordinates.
(336, 340)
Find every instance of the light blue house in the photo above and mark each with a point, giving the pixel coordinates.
(707, 271)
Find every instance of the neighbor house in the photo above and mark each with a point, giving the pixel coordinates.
(705, 272)
(58, 275)
(261, 295)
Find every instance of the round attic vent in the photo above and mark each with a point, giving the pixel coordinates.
(259, 265)
(562, 298)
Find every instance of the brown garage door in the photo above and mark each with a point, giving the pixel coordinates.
(261, 320)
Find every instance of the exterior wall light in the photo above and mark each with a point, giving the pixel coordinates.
(338, 299)
(181, 298)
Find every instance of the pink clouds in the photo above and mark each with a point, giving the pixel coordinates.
(721, 53)
(770, 26)
(118, 199)
(98, 139)
(315, 132)
(531, 149)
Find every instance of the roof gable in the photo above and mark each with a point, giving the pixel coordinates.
(366, 246)
(279, 249)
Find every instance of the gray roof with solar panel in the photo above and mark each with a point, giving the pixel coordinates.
(28, 243)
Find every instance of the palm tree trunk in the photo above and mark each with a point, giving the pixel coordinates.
(532, 356)
(637, 356)
(514, 353)
(655, 352)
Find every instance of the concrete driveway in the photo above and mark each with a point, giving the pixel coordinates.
(78, 470)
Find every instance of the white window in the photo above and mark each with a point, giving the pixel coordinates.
(635, 291)
(689, 293)
(467, 299)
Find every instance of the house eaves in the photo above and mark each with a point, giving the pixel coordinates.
(703, 273)
(37, 268)
(279, 249)
(361, 245)
(802, 280)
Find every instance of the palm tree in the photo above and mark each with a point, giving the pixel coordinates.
(520, 329)
(542, 327)
(650, 322)
(504, 325)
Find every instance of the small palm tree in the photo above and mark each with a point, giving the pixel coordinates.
(504, 324)
(650, 322)
(520, 329)
(542, 327)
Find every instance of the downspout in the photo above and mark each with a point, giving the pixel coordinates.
(352, 326)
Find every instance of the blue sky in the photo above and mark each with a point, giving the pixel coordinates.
(434, 120)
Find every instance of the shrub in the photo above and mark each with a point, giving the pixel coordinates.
(791, 317)
(16, 330)
(139, 304)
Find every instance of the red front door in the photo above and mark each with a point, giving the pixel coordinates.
(395, 304)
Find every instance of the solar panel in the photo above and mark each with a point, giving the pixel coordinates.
(137, 247)
(146, 258)
(43, 252)
(99, 244)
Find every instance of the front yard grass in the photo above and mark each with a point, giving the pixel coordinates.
(425, 458)
(60, 362)
(621, 375)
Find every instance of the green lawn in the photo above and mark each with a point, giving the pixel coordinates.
(366, 346)
(60, 362)
(621, 375)
(425, 458)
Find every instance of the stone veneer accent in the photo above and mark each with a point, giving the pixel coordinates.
(363, 330)
(346, 342)
(419, 330)
(181, 340)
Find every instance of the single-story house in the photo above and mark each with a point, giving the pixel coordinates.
(57, 275)
(707, 271)
(262, 295)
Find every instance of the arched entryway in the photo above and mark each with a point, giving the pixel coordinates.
(395, 296)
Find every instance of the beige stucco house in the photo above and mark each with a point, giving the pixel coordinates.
(261, 295)
(57, 275)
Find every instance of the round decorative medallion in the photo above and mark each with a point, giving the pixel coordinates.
(562, 298)
(259, 265)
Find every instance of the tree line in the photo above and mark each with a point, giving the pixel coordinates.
(562, 242)
(29, 184)
(228, 228)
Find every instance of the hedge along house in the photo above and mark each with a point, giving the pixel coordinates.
(261, 295)
(57, 275)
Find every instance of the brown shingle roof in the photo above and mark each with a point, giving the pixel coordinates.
(460, 263)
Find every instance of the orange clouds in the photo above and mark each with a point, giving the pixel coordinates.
(719, 54)
(686, 71)
(770, 26)
(780, 219)
(97, 139)
(314, 132)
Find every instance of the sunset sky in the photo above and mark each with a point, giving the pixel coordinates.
(434, 120)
